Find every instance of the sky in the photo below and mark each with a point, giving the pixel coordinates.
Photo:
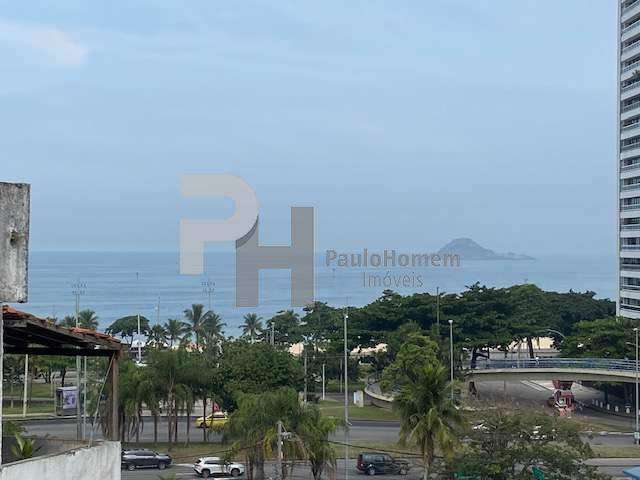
(404, 124)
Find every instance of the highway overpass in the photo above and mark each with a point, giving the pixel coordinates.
(566, 369)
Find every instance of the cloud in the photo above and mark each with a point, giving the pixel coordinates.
(56, 44)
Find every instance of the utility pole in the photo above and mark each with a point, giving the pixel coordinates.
(279, 451)
(25, 387)
(637, 432)
(438, 309)
(79, 289)
(305, 374)
(323, 382)
(346, 397)
(451, 353)
(273, 333)
(208, 288)
(138, 315)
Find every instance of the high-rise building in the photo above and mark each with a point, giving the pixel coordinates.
(629, 159)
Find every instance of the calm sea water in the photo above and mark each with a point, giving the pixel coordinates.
(120, 284)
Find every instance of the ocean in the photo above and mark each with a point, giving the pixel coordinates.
(125, 283)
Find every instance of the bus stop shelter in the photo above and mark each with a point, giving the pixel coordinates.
(24, 333)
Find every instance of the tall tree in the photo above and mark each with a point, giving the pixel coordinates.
(87, 318)
(127, 327)
(176, 329)
(213, 328)
(157, 336)
(286, 326)
(507, 444)
(252, 326)
(200, 321)
(428, 416)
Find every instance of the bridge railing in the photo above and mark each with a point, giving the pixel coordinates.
(589, 363)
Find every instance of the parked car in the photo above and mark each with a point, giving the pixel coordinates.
(214, 466)
(143, 458)
(373, 463)
(215, 420)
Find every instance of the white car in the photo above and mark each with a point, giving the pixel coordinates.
(216, 467)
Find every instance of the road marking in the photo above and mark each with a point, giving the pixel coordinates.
(533, 385)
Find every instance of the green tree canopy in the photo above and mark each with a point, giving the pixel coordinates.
(508, 444)
(127, 327)
(253, 368)
(608, 338)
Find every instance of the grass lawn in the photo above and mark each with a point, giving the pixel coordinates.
(606, 451)
(40, 390)
(336, 409)
(34, 408)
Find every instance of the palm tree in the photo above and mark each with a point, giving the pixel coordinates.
(175, 330)
(87, 318)
(428, 415)
(157, 336)
(314, 430)
(198, 320)
(69, 321)
(252, 326)
(212, 328)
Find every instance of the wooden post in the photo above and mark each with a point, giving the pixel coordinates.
(112, 406)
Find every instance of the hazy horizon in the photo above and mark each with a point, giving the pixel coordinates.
(404, 125)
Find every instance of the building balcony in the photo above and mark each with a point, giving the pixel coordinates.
(629, 151)
(629, 311)
(630, 10)
(629, 90)
(630, 207)
(629, 31)
(632, 186)
(628, 131)
(630, 227)
(630, 106)
(633, 66)
(629, 110)
(628, 168)
(629, 51)
(633, 267)
(629, 146)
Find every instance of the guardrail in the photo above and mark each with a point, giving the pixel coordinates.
(586, 363)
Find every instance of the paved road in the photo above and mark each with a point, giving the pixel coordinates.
(361, 430)
(300, 472)
(609, 466)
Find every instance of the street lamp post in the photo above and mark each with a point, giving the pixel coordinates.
(636, 435)
(138, 316)
(346, 399)
(79, 290)
(451, 352)
(438, 309)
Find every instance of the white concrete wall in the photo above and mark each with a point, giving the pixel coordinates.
(100, 462)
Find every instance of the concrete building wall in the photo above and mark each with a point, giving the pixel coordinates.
(100, 462)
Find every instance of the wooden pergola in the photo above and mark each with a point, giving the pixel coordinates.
(27, 334)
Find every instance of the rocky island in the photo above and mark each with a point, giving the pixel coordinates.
(470, 250)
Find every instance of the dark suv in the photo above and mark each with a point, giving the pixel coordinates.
(372, 463)
(142, 458)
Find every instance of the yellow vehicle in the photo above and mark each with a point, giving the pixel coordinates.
(215, 420)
